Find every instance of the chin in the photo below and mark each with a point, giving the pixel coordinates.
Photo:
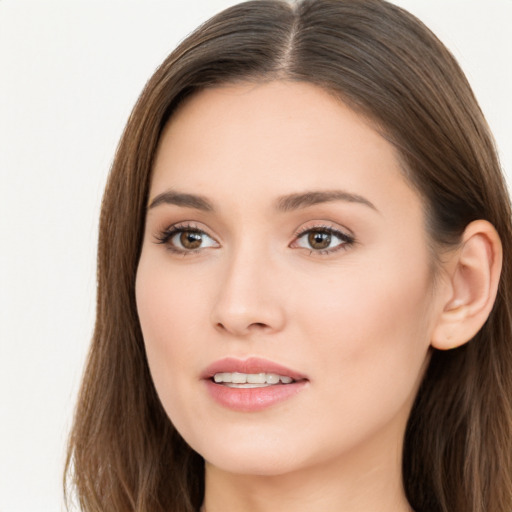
(255, 455)
(267, 466)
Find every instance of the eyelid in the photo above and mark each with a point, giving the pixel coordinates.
(325, 225)
(345, 235)
(165, 235)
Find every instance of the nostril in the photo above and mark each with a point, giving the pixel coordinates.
(255, 326)
(258, 326)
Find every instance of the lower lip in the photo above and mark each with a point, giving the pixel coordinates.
(252, 399)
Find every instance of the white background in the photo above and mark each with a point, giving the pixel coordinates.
(70, 72)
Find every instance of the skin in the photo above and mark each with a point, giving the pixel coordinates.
(356, 321)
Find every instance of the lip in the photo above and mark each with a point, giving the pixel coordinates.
(250, 365)
(251, 399)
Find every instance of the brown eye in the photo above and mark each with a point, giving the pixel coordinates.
(191, 239)
(323, 240)
(319, 240)
(185, 240)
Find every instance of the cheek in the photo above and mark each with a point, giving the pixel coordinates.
(169, 302)
(169, 309)
(371, 330)
(370, 347)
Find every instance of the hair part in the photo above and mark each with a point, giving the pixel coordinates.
(124, 453)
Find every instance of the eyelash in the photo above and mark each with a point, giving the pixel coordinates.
(346, 240)
(167, 235)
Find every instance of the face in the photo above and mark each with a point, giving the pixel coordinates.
(285, 287)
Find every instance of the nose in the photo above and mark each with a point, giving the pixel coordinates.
(249, 299)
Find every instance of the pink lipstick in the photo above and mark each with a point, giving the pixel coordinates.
(252, 384)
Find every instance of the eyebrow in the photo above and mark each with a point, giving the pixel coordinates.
(286, 203)
(182, 199)
(303, 200)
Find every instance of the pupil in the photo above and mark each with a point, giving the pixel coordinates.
(190, 240)
(319, 240)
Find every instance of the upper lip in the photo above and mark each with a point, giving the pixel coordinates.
(250, 365)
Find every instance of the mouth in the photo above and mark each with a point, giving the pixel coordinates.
(250, 380)
(254, 370)
(252, 384)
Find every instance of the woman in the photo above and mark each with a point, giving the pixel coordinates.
(304, 286)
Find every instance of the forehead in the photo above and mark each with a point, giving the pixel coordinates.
(274, 138)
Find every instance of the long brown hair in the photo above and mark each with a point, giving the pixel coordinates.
(124, 453)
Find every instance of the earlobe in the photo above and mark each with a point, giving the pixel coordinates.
(473, 276)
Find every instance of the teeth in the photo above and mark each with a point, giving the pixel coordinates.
(272, 378)
(256, 378)
(238, 378)
(223, 377)
(251, 380)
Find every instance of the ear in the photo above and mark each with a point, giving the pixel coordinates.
(473, 273)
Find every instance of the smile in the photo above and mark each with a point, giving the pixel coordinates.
(250, 380)
(251, 385)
